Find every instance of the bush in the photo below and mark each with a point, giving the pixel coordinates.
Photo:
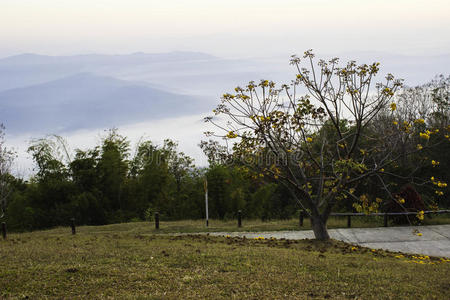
(413, 203)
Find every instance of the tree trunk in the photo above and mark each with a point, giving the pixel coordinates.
(319, 228)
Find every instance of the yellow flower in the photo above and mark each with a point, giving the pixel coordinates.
(442, 184)
(231, 135)
(401, 200)
(432, 178)
(419, 147)
(388, 91)
(419, 234)
(309, 140)
(395, 123)
(424, 135)
(434, 163)
(382, 170)
(419, 121)
(393, 106)
(352, 190)
(420, 215)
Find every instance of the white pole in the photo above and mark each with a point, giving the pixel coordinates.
(206, 201)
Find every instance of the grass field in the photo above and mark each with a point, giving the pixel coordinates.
(191, 226)
(130, 261)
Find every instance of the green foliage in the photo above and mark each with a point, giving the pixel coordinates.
(109, 184)
(6, 160)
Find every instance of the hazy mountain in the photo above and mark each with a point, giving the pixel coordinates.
(138, 57)
(27, 69)
(113, 89)
(198, 73)
(89, 101)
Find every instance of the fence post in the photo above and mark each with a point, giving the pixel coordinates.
(4, 230)
(72, 224)
(157, 220)
(239, 218)
(385, 220)
(300, 218)
(349, 221)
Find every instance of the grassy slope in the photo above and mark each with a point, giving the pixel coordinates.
(129, 261)
(190, 226)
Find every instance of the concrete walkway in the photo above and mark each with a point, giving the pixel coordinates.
(435, 240)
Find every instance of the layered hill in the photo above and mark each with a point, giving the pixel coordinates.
(87, 100)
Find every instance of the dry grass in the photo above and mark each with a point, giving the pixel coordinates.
(129, 261)
(192, 226)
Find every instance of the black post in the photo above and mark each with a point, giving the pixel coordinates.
(4, 230)
(385, 220)
(72, 224)
(157, 220)
(349, 221)
(239, 218)
(300, 218)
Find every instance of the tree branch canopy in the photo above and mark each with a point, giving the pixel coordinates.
(318, 135)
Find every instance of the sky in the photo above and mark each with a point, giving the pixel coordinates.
(232, 28)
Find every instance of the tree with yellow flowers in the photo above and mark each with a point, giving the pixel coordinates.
(316, 135)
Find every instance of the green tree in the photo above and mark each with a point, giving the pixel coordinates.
(149, 178)
(51, 188)
(112, 168)
(6, 160)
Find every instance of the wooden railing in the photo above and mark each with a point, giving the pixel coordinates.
(384, 215)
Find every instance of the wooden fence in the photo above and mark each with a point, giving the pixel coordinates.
(385, 215)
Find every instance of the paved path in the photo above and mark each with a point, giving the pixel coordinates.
(435, 240)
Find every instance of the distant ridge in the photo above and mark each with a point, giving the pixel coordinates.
(29, 69)
(86, 100)
(141, 57)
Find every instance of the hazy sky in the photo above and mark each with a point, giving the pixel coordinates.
(226, 28)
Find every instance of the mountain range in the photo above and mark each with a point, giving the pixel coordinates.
(86, 100)
(54, 94)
